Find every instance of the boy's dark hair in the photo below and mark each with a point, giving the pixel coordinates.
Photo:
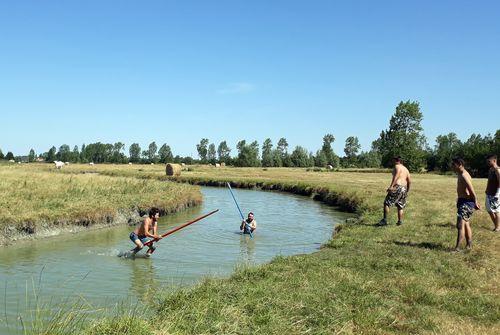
(458, 161)
(492, 156)
(398, 159)
(250, 213)
(153, 211)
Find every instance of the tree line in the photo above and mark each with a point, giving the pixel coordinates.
(404, 137)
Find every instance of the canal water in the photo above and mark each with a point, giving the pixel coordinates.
(48, 273)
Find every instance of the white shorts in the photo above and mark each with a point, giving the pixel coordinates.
(492, 203)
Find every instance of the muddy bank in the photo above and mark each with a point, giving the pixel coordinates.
(41, 229)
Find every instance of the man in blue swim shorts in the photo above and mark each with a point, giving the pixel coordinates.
(146, 231)
(466, 203)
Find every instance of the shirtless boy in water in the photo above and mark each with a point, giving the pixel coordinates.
(142, 232)
(466, 203)
(249, 225)
(397, 191)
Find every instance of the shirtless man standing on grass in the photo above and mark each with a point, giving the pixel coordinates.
(397, 191)
(493, 192)
(466, 203)
(142, 232)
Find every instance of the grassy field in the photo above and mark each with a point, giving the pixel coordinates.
(33, 196)
(369, 280)
(366, 280)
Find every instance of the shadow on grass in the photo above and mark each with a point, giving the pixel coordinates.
(423, 245)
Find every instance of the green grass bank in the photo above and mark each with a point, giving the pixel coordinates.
(36, 200)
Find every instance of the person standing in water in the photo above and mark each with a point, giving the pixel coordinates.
(466, 203)
(493, 191)
(249, 225)
(147, 230)
(397, 191)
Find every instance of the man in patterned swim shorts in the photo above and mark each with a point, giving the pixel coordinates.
(397, 191)
(493, 191)
(466, 203)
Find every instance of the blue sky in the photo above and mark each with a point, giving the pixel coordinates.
(136, 71)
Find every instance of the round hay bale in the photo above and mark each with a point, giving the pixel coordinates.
(173, 169)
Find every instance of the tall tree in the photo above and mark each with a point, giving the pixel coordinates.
(83, 159)
(327, 150)
(447, 147)
(351, 150)
(267, 153)
(64, 153)
(135, 152)
(75, 155)
(248, 154)
(31, 156)
(152, 149)
(474, 152)
(352, 147)
(223, 152)
(51, 155)
(117, 155)
(277, 160)
(202, 149)
(404, 137)
(320, 159)
(212, 154)
(282, 148)
(165, 153)
(300, 157)
(9, 156)
(1, 154)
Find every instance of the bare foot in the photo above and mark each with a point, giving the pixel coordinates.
(456, 250)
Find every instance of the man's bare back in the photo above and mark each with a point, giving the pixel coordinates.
(463, 179)
(400, 176)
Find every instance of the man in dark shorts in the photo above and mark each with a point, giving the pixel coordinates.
(146, 231)
(493, 191)
(466, 203)
(397, 191)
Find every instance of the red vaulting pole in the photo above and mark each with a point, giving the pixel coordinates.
(171, 231)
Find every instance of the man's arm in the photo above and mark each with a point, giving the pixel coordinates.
(408, 182)
(470, 188)
(497, 171)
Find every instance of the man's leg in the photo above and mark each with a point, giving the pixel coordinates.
(386, 211)
(460, 231)
(468, 234)
(138, 247)
(400, 216)
(383, 222)
(494, 218)
(151, 249)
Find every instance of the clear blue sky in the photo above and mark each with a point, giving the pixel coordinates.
(175, 71)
